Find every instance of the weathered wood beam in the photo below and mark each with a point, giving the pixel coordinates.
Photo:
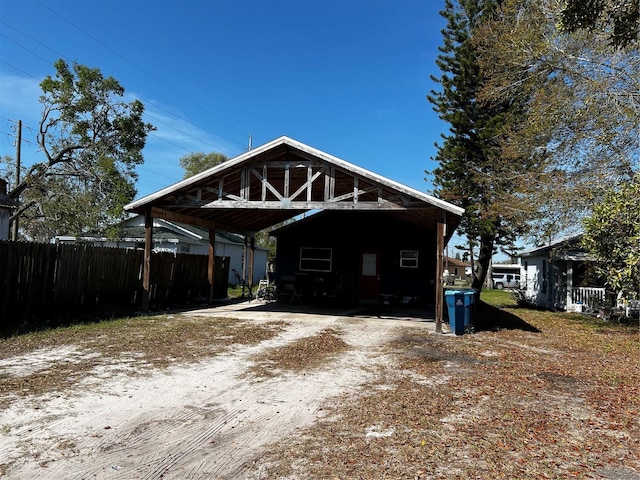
(306, 186)
(265, 185)
(287, 181)
(245, 184)
(218, 192)
(355, 190)
(298, 164)
(264, 182)
(355, 195)
(287, 204)
(329, 184)
(159, 212)
(440, 234)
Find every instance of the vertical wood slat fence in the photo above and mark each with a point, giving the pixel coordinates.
(39, 282)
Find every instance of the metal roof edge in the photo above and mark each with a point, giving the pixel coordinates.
(556, 243)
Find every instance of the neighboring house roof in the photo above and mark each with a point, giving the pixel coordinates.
(505, 266)
(132, 230)
(282, 180)
(457, 263)
(5, 200)
(568, 248)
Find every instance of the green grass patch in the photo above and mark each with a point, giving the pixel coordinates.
(498, 298)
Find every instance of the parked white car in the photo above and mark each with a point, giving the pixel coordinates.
(505, 280)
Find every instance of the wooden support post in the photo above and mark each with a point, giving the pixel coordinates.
(211, 264)
(569, 299)
(440, 233)
(146, 269)
(244, 264)
(252, 250)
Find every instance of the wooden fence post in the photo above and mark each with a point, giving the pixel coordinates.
(211, 268)
(146, 271)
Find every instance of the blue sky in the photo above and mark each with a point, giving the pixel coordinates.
(347, 77)
(349, 80)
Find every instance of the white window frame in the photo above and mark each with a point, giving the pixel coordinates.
(306, 256)
(408, 261)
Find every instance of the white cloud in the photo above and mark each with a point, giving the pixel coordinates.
(19, 98)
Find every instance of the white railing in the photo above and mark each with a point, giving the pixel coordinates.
(587, 295)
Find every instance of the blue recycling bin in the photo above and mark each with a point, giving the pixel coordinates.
(460, 308)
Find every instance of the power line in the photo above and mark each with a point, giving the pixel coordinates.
(183, 120)
(133, 96)
(141, 69)
(23, 47)
(20, 70)
(60, 55)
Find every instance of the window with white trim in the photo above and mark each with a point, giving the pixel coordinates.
(315, 259)
(409, 258)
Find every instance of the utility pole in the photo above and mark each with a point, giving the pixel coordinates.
(14, 226)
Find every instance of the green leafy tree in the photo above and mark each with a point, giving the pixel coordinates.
(91, 141)
(472, 172)
(612, 236)
(197, 162)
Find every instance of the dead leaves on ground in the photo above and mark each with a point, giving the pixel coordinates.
(305, 353)
(562, 403)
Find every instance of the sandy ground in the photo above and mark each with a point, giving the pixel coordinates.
(202, 421)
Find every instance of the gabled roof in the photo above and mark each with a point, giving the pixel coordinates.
(281, 180)
(568, 248)
(457, 263)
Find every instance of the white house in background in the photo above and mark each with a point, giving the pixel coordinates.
(7, 205)
(178, 237)
(457, 268)
(560, 276)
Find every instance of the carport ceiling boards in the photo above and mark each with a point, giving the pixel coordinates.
(281, 180)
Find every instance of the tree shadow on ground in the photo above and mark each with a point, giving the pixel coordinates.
(490, 318)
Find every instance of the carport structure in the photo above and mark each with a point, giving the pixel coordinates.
(281, 180)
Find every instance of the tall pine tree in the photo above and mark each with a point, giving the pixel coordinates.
(472, 173)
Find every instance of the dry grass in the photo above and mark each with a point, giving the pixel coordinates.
(558, 399)
(301, 355)
(137, 345)
(532, 395)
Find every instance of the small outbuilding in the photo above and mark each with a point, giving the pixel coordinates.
(371, 234)
(364, 257)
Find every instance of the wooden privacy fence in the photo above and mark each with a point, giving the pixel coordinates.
(40, 282)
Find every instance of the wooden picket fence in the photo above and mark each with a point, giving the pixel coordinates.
(41, 283)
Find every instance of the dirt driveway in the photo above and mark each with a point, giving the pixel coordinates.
(204, 420)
